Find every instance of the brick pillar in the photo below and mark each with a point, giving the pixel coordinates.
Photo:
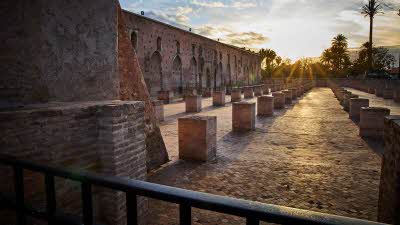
(243, 116)
(159, 110)
(165, 96)
(294, 93)
(372, 121)
(248, 92)
(236, 95)
(122, 150)
(355, 107)
(258, 90)
(279, 100)
(288, 96)
(265, 105)
(219, 98)
(193, 103)
(396, 95)
(197, 138)
(389, 189)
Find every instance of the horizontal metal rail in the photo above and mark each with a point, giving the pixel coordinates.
(253, 212)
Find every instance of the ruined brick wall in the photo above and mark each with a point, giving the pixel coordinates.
(58, 50)
(133, 87)
(182, 58)
(103, 137)
(389, 189)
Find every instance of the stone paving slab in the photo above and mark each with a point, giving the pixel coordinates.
(307, 156)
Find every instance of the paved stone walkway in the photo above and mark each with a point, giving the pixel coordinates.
(307, 156)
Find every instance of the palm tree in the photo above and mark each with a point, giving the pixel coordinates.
(370, 9)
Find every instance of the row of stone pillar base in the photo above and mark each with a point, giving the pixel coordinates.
(376, 122)
(198, 135)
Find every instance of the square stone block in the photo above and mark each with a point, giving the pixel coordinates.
(248, 92)
(193, 103)
(197, 138)
(371, 90)
(288, 96)
(279, 100)
(243, 116)
(372, 121)
(355, 107)
(396, 95)
(346, 101)
(159, 109)
(387, 93)
(379, 92)
(294, 93)
(258, 90)
(265, 105)
(219, 98)
(236, 95)
(207, 92)
(165, 96)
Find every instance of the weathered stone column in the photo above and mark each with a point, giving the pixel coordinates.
(346, 101)
(236, 95)
(243, 116)
(219, 98)
(396, 95)
(265, 105)
(197, 138)
(372, 121)
(159, 110)
(379, 92)
(389, 189)
(387, 93)
(165, 96)
(248, 92)
(266, 89)
(371, 90)
(288, 96)
(294, 93)
(207, 92)
(193, 103)
(355, 107)
(258, 90)
(279, 100)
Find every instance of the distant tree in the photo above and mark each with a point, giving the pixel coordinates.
(372, 8)
(336, 58)
(381, 59)
(268, 56)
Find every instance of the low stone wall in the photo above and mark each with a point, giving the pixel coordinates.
(389, 190)
(106, 137)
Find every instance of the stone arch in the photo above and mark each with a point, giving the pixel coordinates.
(192, 79)
(155, 78)
(177, 76)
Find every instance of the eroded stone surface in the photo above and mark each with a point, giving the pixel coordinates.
(308, 156)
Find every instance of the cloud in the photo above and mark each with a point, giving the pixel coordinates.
(219, 4)
(247, 39)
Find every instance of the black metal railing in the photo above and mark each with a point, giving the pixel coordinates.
(253, 212)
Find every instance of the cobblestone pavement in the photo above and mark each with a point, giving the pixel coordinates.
(378, 101)
(307, 156)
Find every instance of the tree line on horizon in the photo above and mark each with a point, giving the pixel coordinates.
(334, 61)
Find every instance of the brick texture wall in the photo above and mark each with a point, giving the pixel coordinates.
(389, 189)
(133, 87)
(104, 137)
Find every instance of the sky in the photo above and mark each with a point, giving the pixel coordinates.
(293, 28)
